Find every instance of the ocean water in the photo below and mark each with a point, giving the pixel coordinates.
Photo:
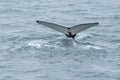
(29, 51)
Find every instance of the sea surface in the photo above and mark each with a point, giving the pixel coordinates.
(30, 51)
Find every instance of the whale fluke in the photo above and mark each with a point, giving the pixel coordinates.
(56, 27)
(68, 31)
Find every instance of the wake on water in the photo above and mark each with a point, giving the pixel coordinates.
(54, 43)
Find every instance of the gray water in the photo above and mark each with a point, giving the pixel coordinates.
(29, 51)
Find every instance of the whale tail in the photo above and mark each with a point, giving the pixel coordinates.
(65, 30)
(56, 27)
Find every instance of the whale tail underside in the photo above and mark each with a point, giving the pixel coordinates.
(81, 27)
(73, 30)
(56, 27)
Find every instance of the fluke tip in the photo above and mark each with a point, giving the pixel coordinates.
(37, 21)
(96, 22)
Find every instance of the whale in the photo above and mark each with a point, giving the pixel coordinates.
(70, 32)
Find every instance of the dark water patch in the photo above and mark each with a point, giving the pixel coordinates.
(73, 12)
(44, 76)
(117, 17)
(11, 11)
(12, 38)
(10, 78)
(104, 18)
(2, 66)
(32, 71)
(116, 40)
